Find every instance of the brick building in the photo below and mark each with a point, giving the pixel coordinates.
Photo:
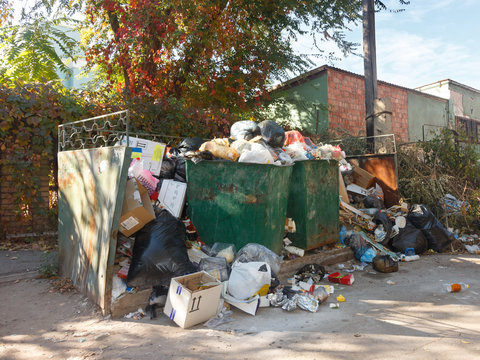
(332, 99)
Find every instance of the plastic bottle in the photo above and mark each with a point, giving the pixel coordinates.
(457, 287)
(343, 234)
(409, 257)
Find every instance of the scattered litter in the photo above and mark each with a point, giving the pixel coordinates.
(390, 282)
(340, 298)
(136, 315)
(334, 306)
(101, 336)
(14, 258)
(456, 287)
(473, 249)
(338, 278)
(81, 334)
(82, 340)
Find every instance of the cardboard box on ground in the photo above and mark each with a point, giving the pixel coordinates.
(193, 299)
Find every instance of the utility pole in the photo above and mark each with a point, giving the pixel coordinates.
(370, 67)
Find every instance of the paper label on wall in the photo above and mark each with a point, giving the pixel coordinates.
(151, 153)
(172, 196)
(130, 223)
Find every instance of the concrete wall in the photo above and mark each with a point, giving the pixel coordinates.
(346, 101)
(466, 101)
(299, 105)
(426, 116)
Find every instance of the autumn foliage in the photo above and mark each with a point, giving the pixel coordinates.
(214, 55)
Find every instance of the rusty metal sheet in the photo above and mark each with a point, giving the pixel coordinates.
(91, 191)
(383, 167)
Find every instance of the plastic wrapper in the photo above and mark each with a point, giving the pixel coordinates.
(307, 302)
(272, 133)
(290, 304)
(256, 252)
(215, 266)
(320, 294)
(245, 130)
(296, 151)
(278, 298)
(280, 156)
(223, 317)
(437, 236)
(328, 151)
(303, 301)
(159, 252)
(225, 250)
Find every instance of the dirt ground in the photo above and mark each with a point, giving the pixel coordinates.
(385, 316)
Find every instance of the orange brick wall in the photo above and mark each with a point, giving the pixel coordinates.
(346, 93)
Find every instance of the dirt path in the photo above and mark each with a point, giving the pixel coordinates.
(410, 319)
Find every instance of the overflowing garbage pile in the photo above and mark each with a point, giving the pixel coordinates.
(383, 236)
(158, 246)
(263, 143)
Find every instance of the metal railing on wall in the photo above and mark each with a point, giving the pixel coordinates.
(105, 130)
(360, 145)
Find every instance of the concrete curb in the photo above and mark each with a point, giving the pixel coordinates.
(325, 258)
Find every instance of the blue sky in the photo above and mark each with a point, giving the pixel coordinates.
(430, 41)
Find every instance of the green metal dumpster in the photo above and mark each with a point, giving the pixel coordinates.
(313, 203)
(238, 203)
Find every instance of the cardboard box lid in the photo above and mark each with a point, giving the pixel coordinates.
(362, 177)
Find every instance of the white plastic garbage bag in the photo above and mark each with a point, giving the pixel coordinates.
(249, 279)
(257, 154)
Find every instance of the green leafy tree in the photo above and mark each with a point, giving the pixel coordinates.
(36, 50)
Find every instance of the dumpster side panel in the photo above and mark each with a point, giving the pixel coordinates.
(238, 203)
(91, 190)
(313, 203)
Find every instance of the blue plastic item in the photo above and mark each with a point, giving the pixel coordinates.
(409, 251)
(368, 255)
(343, 234)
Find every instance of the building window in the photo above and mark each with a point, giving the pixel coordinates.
(469, 127)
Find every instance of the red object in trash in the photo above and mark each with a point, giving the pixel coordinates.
(338, 278)
(293, 137)
(123, 272)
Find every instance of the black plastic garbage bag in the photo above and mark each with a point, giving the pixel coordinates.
(373, 202)
(437, 236)
(272, 133)
(190, 144)
(159, 253)
(409, 237)
(180, 171)
(245, 130)
(167, 171)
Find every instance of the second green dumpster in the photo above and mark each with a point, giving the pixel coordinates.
(238, 203)
(313, 203)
